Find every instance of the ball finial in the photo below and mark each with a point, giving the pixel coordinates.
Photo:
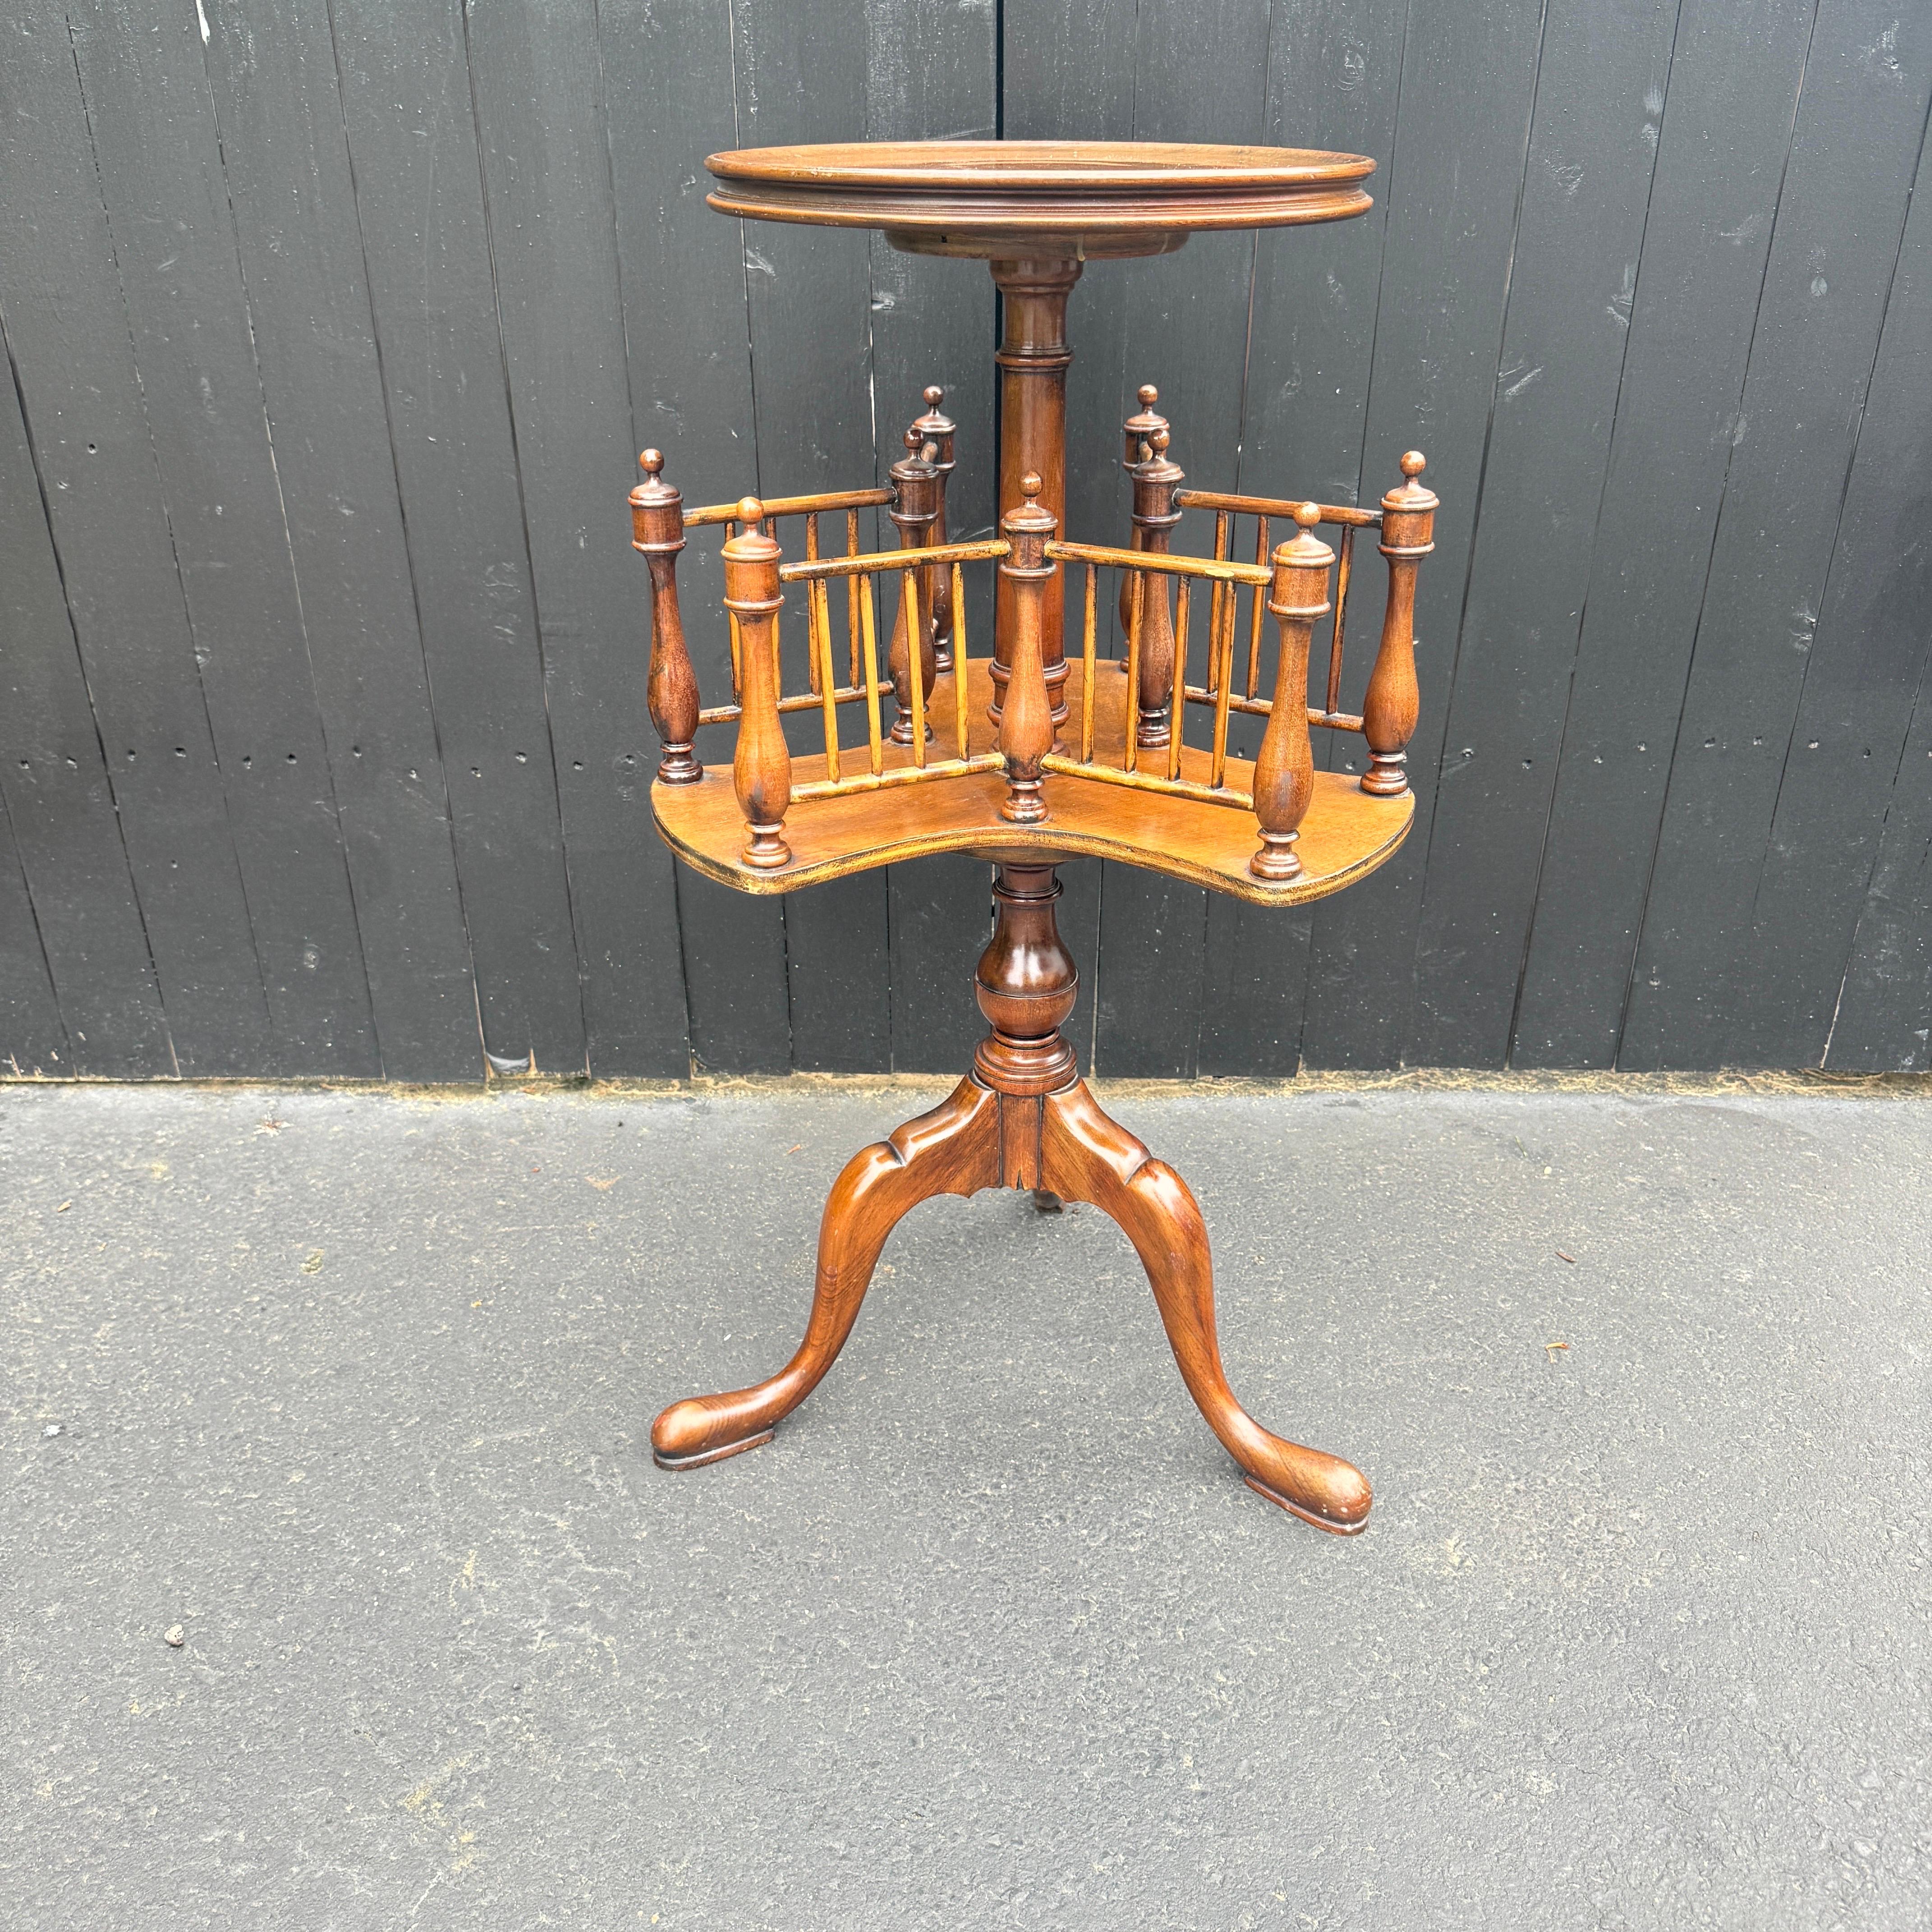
(912, 441)
(934, 395)
(1413, 464)
(653, 461)
(1308, 514)
(1030, 485)
(1159, 440)
(1149, 395)
(750, 511)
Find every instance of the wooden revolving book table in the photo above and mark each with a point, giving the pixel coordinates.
(1027, 755)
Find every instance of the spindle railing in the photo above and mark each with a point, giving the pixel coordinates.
(1147, 753)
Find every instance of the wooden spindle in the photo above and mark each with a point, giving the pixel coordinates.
(1255, 614)
(956, 603)
(1176, 690)
(657, 532)
(1221, 652)
(1334, 702)
(761, 771)
(852, 596)
(811, 605)
(915, 505)
(1026, 718)
(1155, 516)
(1087, 666)
(1136, 617)
(913, 585)
(1285, 771)
(868, 627)
(1138, 432)
(818, 604)
(1222, 532)
(1394, 703)
(936, 431)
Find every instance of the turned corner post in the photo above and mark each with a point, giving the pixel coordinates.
(1138, 433)
(657, 532)
(1393, 702)
(914, 510)
(936, 430)
(1285, 771)
(1026, 718)
(1155, 482)
(761, 770)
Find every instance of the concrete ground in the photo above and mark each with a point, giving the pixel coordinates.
(351, 1390)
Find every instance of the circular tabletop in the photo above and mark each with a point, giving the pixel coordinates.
(1039, 198)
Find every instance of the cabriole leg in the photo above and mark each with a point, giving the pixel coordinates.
(953, 1149)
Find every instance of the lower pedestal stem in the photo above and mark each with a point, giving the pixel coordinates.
(1023, 1118)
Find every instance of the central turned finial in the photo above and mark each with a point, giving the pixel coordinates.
(1026, 718)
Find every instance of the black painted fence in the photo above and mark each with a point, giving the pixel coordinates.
(334, 327)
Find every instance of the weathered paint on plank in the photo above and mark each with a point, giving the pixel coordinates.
(1866, 666)
(1454, 185)
(73, 357)
(1840, 218)
(1334, 75)
(547, 173)
(272, 67)
(55, 786)
(1727, 124)
(1601, 99)
(407, 106)
(159, 160)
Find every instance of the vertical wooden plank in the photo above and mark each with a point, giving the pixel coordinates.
(68, 336)
(271, 66)
(1334, 74)
(547, 174)
(407, 107)
(1200, 73)
(1727, 123)
(33, 1041)
(669, 102)
(161, 180)
(1867, 659)
(1840, 219)
(930, 76)
(1599, 100)
(801, 78)
(1883, 1022)
(1453, 187)
(55, 786)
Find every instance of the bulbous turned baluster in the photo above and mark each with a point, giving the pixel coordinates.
(1155, 482)
(1285, 771)
(761, 770)
(915, 508)
(1138, 432)
(1026, 718)
(935, 432)
(657, 532)
(1390, 710)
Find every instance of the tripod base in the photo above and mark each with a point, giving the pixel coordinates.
(1023, 1118)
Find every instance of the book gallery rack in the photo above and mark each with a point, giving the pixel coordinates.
(1039, 747)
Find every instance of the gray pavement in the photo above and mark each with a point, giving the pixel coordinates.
(354, 1389)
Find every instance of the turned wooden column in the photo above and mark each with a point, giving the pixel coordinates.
(1027, 985)
(1394, 702)
(915, 509)
(1285, 769)
(1033, 358)
(761, 772)
(936, 430)
(657, 533)
(1026, 721)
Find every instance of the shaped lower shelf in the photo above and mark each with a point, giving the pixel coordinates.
(1346, 834)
